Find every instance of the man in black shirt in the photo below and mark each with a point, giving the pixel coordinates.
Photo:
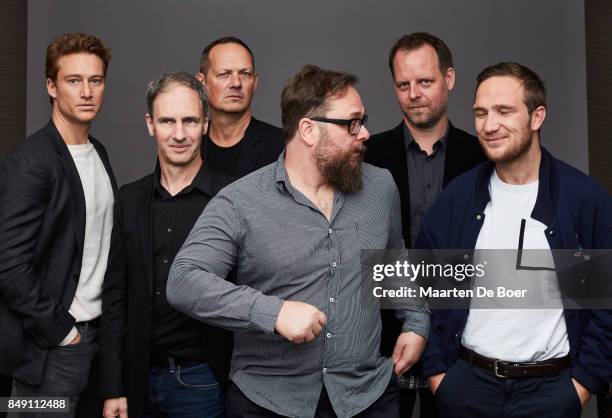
(236, 143)
(154, 357)
(423, 153)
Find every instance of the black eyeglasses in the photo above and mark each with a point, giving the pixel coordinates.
(354, 125)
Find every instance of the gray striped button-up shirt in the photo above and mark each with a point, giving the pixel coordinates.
(284, 248)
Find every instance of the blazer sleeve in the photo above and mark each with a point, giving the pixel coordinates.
(113, 319)
(25, 191)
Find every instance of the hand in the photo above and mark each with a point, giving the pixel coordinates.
(115, 407)
(583, 393)
(299, 322)
(434, 381)
(407, 351)
(76, 339)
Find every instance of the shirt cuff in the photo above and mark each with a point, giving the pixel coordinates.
(265, 313)
(417, 322)
(73, 332)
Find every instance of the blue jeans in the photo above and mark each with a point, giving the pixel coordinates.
(184, 392)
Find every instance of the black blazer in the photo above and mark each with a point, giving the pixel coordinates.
(388, 150)
(262, 144)
(42, 229)
(127, 300)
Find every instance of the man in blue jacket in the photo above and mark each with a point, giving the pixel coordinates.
(517, 362)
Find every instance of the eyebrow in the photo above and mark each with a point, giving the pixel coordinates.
(170, 118)
(497, 108)
(82, 76)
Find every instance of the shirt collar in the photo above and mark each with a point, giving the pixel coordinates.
(409, 139)
(202, 181)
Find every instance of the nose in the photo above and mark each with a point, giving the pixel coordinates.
(179, 132)
(363, 134)
(415, 92)
(490, 123)
(235, 81)
(86, 90)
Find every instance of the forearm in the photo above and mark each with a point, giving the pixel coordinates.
(211, 299)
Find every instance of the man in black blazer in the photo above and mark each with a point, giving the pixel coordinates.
(424, 153)
(236, 143)
(155, 360)
(56, 205)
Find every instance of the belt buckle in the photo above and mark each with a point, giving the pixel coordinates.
(495, 369)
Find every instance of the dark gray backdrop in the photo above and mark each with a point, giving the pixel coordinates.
(152, 36)
(148, 37)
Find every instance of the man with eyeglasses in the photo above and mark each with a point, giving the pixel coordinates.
(518, 362)
(424, 153)
(305, 343)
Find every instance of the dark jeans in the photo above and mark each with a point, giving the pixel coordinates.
(468, 391)
(386, 406)
(66, 373)
(184, 392)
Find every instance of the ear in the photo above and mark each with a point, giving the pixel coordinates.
(308, 131)
(205, 126)
(537, 118)
(255, 82)
(150, 126)
(201, 78)
(51, 88)
(449, 78)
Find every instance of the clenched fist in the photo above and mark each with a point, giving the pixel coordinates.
(299, 322)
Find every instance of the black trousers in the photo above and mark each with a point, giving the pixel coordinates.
(427, 406)
(468, 391)
(386, 406)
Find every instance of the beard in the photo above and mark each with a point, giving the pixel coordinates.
(514, 151)
(344, 170)
(429, 116)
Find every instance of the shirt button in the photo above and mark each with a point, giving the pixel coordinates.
(328, 335)
(165, 261)
(334, 264)
(331, 231)
(169, 229)
(324, 369)
(478, 217)
(331, 300)
(158, 293)
(551, 232)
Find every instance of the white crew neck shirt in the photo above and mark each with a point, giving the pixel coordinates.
(519, 335)
(99, 200)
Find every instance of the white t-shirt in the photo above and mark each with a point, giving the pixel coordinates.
(519, 335)
(99, 201)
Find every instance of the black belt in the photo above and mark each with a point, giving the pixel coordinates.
(510, 369)
(161, 361)
(92, 322)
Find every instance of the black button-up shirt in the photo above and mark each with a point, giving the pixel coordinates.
(175, 334)
(425, 175)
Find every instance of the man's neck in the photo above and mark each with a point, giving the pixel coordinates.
(306, 178)
(227, 129)
(72, 133)
(427, 137)
(176, 178)
(523, 170)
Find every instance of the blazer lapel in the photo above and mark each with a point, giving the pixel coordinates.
(77, 196)
(145, 232)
